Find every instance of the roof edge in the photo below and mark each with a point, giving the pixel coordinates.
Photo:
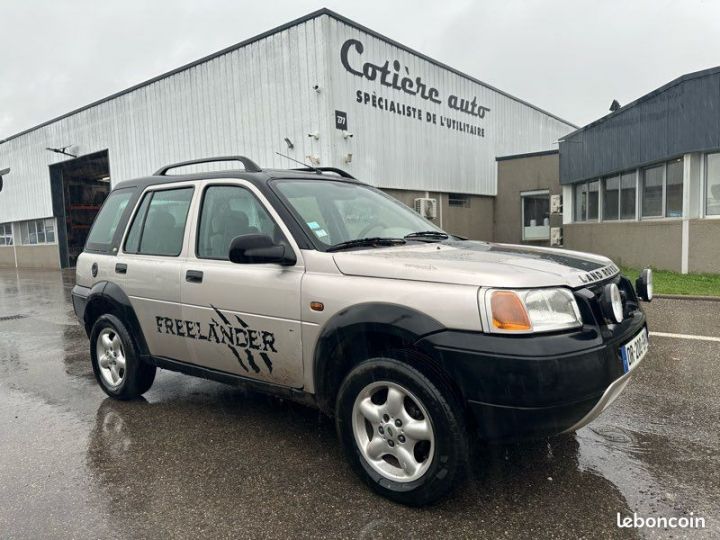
(645, 97)
(313, 15)
(527, 155)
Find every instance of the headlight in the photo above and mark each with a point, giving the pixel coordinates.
(644, 285)
(531, 310)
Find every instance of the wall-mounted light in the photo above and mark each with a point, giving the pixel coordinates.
(316, 87)
(314, 135)
(347, 135)
(105, 179)
(63, 150)
(289, 143)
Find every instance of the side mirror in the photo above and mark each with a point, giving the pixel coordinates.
(260, 249)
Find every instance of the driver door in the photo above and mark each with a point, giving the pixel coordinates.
(243, 319)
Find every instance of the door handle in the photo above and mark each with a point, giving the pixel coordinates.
(194, 276)
(121, 268)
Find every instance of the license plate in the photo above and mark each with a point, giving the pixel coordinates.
(634, 350)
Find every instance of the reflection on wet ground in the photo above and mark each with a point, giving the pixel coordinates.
(199, 458)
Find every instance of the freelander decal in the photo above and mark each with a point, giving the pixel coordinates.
(236, 338)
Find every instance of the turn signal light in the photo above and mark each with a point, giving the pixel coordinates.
(508, 311)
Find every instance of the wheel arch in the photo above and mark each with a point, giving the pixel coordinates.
(108, 297)
(364, 331)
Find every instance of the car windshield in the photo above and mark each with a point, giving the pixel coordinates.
(338, 212)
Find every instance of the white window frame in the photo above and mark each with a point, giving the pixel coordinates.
(5, 236)
(705, 184)
(47, 224)
(533, 193)
(663, 209)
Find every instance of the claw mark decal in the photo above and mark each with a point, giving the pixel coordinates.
(236, 338)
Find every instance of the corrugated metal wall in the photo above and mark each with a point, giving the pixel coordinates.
(678, 118)
(244, 102)
(398, 152)
(248, 100)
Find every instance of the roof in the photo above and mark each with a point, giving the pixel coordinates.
(277, 29)
(527, 155)
(675, 82)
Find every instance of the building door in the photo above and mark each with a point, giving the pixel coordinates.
(79, 187)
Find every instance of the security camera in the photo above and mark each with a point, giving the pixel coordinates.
(347, 135)
(314, 135)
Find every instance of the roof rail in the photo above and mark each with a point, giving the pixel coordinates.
(335, 170)
(250, 165)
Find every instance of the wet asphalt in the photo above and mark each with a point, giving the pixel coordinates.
(201, 459)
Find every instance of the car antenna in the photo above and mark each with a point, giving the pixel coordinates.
(308, 165)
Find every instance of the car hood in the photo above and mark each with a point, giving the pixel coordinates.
(478, 263)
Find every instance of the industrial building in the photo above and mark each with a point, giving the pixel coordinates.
(321, 89)
(642, 184)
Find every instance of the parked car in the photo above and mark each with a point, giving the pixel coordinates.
(311, 285)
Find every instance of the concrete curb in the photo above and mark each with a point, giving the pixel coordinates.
(687, 297)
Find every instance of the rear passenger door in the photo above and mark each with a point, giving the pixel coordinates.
(244, 318)
(154, 252)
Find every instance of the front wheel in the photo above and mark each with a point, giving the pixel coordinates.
(403, 433)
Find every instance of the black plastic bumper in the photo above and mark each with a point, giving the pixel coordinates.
(79, 297)
(533, 385)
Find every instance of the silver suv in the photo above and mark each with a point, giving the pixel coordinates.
(311, 285)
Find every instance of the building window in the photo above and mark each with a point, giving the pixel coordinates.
(593, 200)
(662, 190)
(712, 185)
(581, 202)
(587, 201)
(6, 236)
(628, 195)
(611, 198)
(674, 189)
(619, 197)
(37, 231)
(536, 215)
(458, 200)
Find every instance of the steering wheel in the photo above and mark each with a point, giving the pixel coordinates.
(365, 232)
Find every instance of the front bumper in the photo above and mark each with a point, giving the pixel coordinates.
(536, 385)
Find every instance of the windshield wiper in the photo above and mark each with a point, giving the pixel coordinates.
(433, 236)
(366, 242)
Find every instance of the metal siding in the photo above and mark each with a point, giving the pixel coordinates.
(396, 152)
(249, 99)
(679, 118)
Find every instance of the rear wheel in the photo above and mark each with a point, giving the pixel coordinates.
(115, 360)
(403, 433)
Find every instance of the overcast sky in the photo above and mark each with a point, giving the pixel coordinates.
(570, 57)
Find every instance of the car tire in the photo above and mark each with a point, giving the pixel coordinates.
(414, 462)
(116, 363)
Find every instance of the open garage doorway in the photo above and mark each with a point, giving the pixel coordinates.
(79, 187)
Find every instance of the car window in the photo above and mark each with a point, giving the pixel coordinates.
(106, 222)
(159, 225)
(228, 212)
(342, 211)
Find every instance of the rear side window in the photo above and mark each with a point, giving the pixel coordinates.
(106, 222)
(159, 225)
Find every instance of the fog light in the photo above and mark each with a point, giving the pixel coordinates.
(644, 285)
(611, 303)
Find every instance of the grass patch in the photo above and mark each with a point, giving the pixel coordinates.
(673, 283)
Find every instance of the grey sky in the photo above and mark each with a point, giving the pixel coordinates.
(570, 57)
